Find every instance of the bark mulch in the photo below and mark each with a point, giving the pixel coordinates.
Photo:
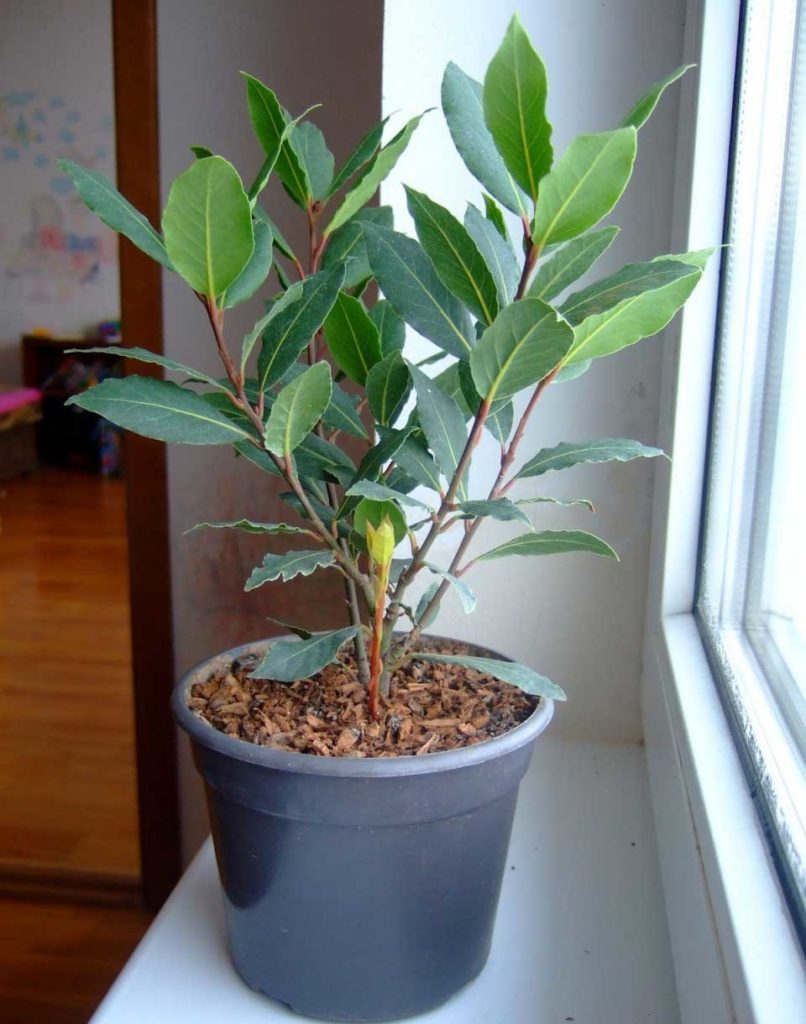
(432, 707)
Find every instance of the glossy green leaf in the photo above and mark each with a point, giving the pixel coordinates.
(496, 508)
(293, 295)
(101, 196)
(269, 121)
(143, 355)
(442, 421)
(574, 453)
(388, 384)
(456, 257)
(288, 660)
(416, 461)
(360, 156)
(551, 542)
(370, 510)
(290, 331)
(272, 156)
(159, 409)
(250, 526)
(256, 271)
(343, 415)
(525, 343)
(303, 634)
(207, 223)
(464, 112)
(280, 242)
(366, 187)
(288, 565)
(387, 448)
(347, 245)
(309, 144)
(644, 108)
(466, 595)
(497, 253)
(524, 678)
(554, 275)
(500, 417)
(298, 408)
(409, 281)
(493, 214)
(352, 337)
(584, 186)
(424, 614)
(628, 306)
(514, 97)
(201, 152)
(572, 371)
(391, 327)
(380, 492)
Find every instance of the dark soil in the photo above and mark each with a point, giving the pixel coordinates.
(431, 708)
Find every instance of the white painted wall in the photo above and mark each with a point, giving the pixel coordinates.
(58, 263)
(575, 618)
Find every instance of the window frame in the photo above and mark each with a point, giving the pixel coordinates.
(735, 952)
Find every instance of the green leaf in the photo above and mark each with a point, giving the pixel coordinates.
(388, 384)
(279, 241)
(584, 186)
(321, 460)
(367, 186)
(269, 121)
(515, 89)
(570, 263)
(644, 108)
(551, 542)
(526, 342)
(352, 337)
(290, 331)
(571, 372)
(249, 526)
(574, 453)
(360, 156)
(495, 508)
(201, 152)
(562, 502)
(632, 304)
(452, 381)
(497, 252)
(101, 196)
(466, 595)
(288, 660)
(207, 223)
(371, 511)
(493, 214)
(499, 419)
(303, 634)
(256, 271)
(509, 671)
(391, 441)
(309, 144)
(347, 245)
(416, 461)
(380, 492)
(268, 165)
(391, 327)
(409, 281)
(342, 414)
(298, 408)
(443, 423)
(293, 294)
(159, 409)
(143, 355)
(464, 112)
(456, 258)
(288, 565)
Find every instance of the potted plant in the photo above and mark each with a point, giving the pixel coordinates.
(362, 781)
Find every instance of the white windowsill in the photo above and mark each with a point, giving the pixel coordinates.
(736, 956)
(581, 931)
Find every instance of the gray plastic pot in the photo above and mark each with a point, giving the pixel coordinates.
(358, 889)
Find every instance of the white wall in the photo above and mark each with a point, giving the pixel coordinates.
(576, 618)
(58, 263)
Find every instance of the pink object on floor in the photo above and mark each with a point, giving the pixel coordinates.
(11, 400)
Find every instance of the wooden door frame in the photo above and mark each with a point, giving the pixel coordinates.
(134, 38)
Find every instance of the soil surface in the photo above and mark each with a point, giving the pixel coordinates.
(432, 707)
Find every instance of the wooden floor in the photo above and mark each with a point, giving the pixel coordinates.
(67, 762)
(57, 960)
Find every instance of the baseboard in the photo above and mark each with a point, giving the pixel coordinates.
(47, 882)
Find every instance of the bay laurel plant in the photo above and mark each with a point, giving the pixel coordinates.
(322, 364)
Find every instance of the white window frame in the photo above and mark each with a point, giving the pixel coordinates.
(736, 956)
